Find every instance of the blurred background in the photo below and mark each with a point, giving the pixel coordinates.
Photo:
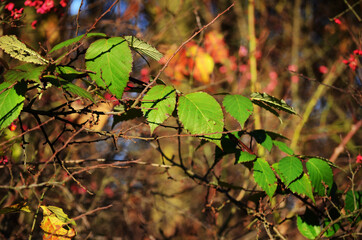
(300, 45)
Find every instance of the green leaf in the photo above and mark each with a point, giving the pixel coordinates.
(11, 102)
(268, 108)
(16, 49)
(200, 113)
(332, 230)
(275, 135)
(239, 107)
(290, 168)
(262, 138)
(74, 40)
(143, 47)
(304, 157)
(302, 185)
(61, 215)
(353, 201)
(68, 86)
(24, 72)
(69, 73)
(158, 104)
(244, 157)
(319, 171)
(271, 104)
(265, 177)
(308, 224)
(283, 147)
(111, 60)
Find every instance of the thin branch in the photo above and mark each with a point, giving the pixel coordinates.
(92, 211)
(88, 31)
(352, 10)
(77, 19)
(320, 235)
(339, 149)
(345, 11)
(27, 131)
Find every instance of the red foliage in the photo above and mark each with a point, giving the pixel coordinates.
(12, 127)
(323, 69)
(359, 159)
(338, 21)
(4, 160)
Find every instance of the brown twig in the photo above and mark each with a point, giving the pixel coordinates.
(92, 211)
(88, 31)
(320, 235)
(5, 89)
(27, 131)
(338, 150)
(77, 19)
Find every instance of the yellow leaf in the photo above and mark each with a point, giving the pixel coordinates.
(23, 206)
(54, 228)
(204, 64)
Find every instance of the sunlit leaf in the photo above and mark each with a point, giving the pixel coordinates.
(290, 168)
(300, 185)
(283, 147)
(69, 73)
(56, 224)
(271, 103)
(320, 174)
(16, 49)
(68, 86)
(158, 104)
(308, 224)
(74, 40)
(111, 60)
(244, 157)
(239, 107)
(143, 47)
(26, 71)
(265, 177)
(61, 215)
(11, 102)
(201, 114)
(275, 135)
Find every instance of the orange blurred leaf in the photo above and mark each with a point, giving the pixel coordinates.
(216, 47)
(204, 64)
